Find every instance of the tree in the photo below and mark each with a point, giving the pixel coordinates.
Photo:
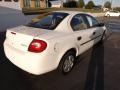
(90, 5)
(107, 5)
(49, 4)
(117, 8)
(81, 3)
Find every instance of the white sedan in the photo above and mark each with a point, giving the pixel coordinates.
(112, 13)
(52, 42)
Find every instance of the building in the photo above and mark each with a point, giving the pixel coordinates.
(56, 4)
(19, 4)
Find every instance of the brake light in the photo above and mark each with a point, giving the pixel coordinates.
(37, 46)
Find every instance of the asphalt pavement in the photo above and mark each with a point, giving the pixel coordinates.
(11, 18)
(96, 69)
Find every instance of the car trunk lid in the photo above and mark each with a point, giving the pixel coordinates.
(21, 37)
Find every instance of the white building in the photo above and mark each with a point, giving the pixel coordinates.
(15, 4)
(19, 4)
(56, 4)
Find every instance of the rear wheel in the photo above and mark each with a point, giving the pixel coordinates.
(67, 62)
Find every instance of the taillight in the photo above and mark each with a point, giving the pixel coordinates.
(37, 46)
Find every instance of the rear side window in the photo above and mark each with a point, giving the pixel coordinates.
(114, 11)
(77, 23)
(91, 20)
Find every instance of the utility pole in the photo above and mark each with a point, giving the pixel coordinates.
(111, 4)
(102, 3)
(62, 1)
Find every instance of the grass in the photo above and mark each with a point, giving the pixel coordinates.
(42, 10)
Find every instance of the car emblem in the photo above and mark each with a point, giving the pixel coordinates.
(13, 33)
(23, 45)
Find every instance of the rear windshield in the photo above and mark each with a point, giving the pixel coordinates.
(50, 21)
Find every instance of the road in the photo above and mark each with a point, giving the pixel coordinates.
(11, 18)
(96, 69)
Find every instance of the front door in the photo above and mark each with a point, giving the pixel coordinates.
(82, 33)
(97, 30)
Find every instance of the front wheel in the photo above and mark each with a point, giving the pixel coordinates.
(108, 15)
(67, 62)
(103, 37)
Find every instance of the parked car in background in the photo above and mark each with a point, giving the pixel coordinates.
(53, 42)
(112, 13)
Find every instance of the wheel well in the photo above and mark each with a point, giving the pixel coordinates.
(71, 50)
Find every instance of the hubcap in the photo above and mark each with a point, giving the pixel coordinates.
(103, 37)
(68, 64)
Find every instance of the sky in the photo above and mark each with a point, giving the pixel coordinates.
(99, 2)
(115, 3)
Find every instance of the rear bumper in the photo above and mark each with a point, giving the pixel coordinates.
(35, 63)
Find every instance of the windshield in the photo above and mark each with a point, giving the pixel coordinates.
(49, 21)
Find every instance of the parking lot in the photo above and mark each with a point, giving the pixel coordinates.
(96, 69)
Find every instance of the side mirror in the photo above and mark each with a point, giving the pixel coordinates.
(99, 25)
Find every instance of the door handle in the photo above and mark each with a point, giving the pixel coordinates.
(79, 38)
(94, 33)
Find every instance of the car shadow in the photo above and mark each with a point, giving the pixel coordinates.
(95, 73)
(2, 38)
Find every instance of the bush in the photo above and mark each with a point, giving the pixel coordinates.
(90, 5)
(107, 5)
(49, 4)
(70, 4)
(117, 8)
(81, 3)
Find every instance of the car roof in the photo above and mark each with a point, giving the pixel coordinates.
(71, 12)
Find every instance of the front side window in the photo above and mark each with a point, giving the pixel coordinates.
(92, 21)
(50, 21)
(115, 12)
(78, 23)
(15, 0)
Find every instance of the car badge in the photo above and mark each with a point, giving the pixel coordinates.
(13, 33)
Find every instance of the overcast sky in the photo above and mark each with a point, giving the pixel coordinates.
(114, 2)
(100, 2)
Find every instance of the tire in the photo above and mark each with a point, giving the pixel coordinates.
(108, 15)
(67, 62)
(103, 37)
